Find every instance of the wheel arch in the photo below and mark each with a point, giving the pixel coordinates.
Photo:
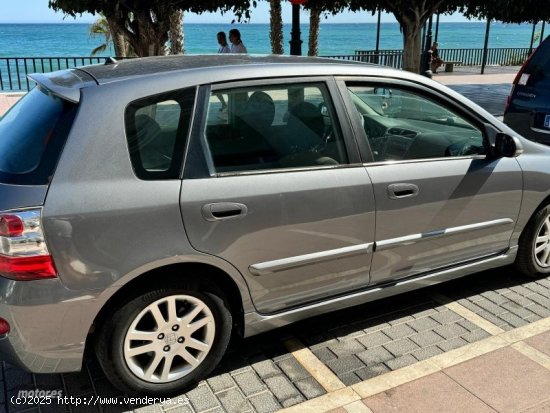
(208, 276)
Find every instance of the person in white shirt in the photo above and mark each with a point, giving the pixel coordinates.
(237, 46)
(222, 41)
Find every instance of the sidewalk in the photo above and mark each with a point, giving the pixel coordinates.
(7, 100)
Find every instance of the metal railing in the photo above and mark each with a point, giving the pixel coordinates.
(506, 56)
(14, 70)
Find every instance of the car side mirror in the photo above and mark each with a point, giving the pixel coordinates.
(507, 146)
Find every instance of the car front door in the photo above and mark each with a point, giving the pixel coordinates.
(274, 185)
(440, 201)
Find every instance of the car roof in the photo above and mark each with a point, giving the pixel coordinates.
(106, 73)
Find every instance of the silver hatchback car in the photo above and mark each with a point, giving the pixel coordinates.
(153, 208)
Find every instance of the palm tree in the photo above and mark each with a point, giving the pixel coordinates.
(102, 27)
(176, 34)
(314, 22)
(276, 32)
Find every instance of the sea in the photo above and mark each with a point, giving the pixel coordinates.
(73, 39)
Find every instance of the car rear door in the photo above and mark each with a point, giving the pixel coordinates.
(274, 185)
(439, 200)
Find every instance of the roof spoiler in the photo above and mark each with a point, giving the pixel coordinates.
(65, 84)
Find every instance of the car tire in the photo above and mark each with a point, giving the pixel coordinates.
(533, 257)
(192, 352)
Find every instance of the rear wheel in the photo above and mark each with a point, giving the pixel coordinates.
(164, 341)
(534, 245)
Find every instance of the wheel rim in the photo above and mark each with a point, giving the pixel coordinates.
(169, 339)
(542, 244)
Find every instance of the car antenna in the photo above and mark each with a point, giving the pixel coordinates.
(110, 61)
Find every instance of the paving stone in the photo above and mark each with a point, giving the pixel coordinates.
(375, 356)
(368, 372)
(520, 299)
(401, 347)
(292, 401)
(476, 335)
(426, 338)
(400, 362)
(426, 353)
(264, 402)
(513, 319)
(349, 379)
(310, 388)
(347, 332)
(468, 325)
(540, 310)
(422, 324)
(520, 289)
(490, 307)
(233, 401)
(249, 383)
(516, 309)
(376, 327)
(375, 339)
(282, 389)
(450, 330)
(401, 320)
(266, 369)
(494, 297)
(399, 331)
(344, 365)
(202, 398)
(446, 317)
(540, 299)
(324, 354)
(425, 313)
(537, 288)
(220, 382)
(449, 345)
(346, 348)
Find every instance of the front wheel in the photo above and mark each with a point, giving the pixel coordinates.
(534, 245)
(163, 342)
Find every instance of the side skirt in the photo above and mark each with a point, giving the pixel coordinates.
(256, 323)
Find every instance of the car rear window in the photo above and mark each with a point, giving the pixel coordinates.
(32, 135)
(539, 66)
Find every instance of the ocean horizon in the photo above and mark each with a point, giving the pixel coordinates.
(72, 39)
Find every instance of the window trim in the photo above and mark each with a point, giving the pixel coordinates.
(421, 90)
(199, 130)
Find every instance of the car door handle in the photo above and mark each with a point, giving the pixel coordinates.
(398, 191)
(220, 211)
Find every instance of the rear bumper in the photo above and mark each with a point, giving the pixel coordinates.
(49, 325)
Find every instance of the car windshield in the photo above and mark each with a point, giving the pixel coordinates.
(32, 134)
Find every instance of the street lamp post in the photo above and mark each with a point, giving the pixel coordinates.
(295, 35)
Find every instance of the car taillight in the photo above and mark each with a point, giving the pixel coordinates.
(24, 255)
(521, 79)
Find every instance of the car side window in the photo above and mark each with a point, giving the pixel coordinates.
(156, 130)
(273, 127)
(402, 125)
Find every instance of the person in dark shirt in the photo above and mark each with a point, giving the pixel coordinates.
(435, 61)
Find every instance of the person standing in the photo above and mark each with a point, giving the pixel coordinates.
(237, 46)
(222, 41)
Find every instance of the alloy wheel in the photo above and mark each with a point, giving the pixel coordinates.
(542, 244)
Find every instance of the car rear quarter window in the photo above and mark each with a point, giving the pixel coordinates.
(32, 135)
(156, 131)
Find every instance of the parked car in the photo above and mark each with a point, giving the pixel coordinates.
(528, 107)
(143, 219)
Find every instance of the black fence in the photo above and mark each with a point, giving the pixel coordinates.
(462, 57)
(14, 70)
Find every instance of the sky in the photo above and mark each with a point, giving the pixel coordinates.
(37, 11)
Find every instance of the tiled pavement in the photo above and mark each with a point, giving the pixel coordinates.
(356, 344)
